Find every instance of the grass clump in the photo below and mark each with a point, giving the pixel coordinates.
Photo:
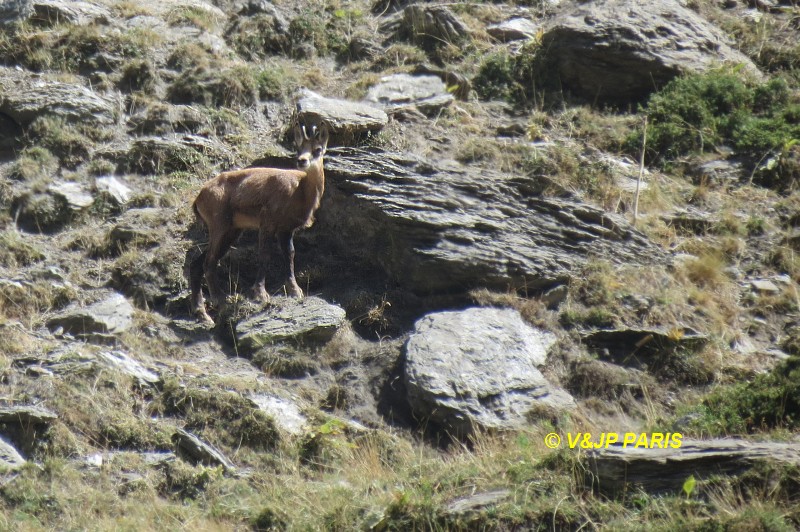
(510, 77)
(33, 163)
(234, 420)
(16, 251)
(214, 87)
(770, 401)
(700, 112)
(71, 143)
(258, 37)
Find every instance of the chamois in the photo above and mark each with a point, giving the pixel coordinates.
(274, 201)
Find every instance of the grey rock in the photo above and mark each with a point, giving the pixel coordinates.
(622, 50)
(26, 415)
(478, 368)
(124, 363)
(76, 197)
(515, 29)
(197, 450)
(307, 320)
(764, 286)
(400, 92)
(10, 459)
(345, 118)
(76, 12)
(433, 24)
(285, 413)
(477, 502)
(176, 153)
(665, 468)
(718, 172)
(25, 96)
(118, 191)
(15, 11)
(109, 316)
(438, 227)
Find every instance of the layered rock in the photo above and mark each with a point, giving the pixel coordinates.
(478, 368)
(622, 50)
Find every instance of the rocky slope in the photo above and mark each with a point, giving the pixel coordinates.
(482, 270)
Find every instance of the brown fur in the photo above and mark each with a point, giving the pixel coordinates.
(276, 202)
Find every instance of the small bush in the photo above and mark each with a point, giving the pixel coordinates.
(769, 402)
(258, 37)
(699, 112)
(33, 163)
(228, 87)
(513, 78)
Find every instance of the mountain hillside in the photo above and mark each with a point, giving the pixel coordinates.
(552, 283)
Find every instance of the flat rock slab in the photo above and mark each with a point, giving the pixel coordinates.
(623, 343)
(124, 363)
(398, 92)
(308, 320)
(478, 368)
(346, 118)
(658, 470)
(26, 415)
(188, 444)
(515, 29)
(109, 316)
(477, 502)
(25, 97)
(69, 11)
(76, 197)
(440, 227)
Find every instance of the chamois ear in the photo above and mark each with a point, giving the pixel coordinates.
(299, 134)
(323, 134)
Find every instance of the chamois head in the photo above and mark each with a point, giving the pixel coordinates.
(311, 138)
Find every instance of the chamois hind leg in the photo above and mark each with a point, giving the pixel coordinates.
(219, 245)
(286, 239)
(259, 289)
(198, 302)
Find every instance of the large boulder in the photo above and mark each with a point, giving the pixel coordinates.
(478, 368)
(12, 11)
(622, 50)
(444, 228)
(25, 97)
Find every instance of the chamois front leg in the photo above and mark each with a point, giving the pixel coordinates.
(287, 245)
(259, 288)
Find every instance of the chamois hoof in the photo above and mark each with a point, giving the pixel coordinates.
(294, 291)
(203, 317)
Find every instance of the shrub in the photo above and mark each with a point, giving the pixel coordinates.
(770, 401)
(227, 87)
(697, 113)
(513, 78)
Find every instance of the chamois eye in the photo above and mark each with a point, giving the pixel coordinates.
(317, 152)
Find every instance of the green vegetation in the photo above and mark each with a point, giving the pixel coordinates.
(702, 112)
(508, 77)
(770, 401)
